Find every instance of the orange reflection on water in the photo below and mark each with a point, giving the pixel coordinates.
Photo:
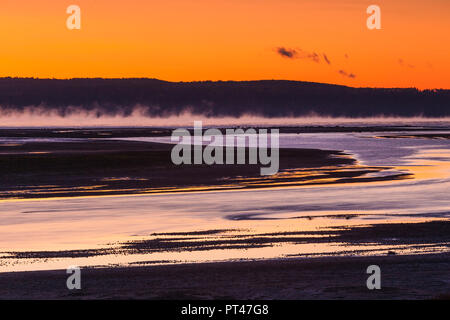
(429, 164)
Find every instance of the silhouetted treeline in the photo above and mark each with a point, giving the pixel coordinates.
(270, 98)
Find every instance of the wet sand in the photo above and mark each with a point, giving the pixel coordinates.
(402, 277)
(391, 238)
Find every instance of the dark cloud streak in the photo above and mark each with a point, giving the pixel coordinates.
(287, 53)
(298, 54)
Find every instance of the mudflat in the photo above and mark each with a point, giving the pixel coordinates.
(402, 277)
(42, 169)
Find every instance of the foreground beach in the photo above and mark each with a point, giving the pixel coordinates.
(403, 277)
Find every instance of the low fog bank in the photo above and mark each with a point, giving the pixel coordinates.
(36, 117)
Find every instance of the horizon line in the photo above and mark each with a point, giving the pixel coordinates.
(217, 81)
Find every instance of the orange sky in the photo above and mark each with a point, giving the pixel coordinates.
(180, 40)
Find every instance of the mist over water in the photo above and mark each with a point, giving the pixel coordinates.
(76, 117)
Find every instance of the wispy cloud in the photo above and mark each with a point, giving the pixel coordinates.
(309, 56)
(404, 64)
(299, 54)
(346, 74)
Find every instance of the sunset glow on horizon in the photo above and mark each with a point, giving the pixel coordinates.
(177, 40)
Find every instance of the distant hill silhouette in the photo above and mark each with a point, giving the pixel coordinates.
(270, 98)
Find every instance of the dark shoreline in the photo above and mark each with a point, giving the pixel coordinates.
(402, 277)
(124, 132)
(269, 98)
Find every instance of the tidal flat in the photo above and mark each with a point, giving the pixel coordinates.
(111, 201)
